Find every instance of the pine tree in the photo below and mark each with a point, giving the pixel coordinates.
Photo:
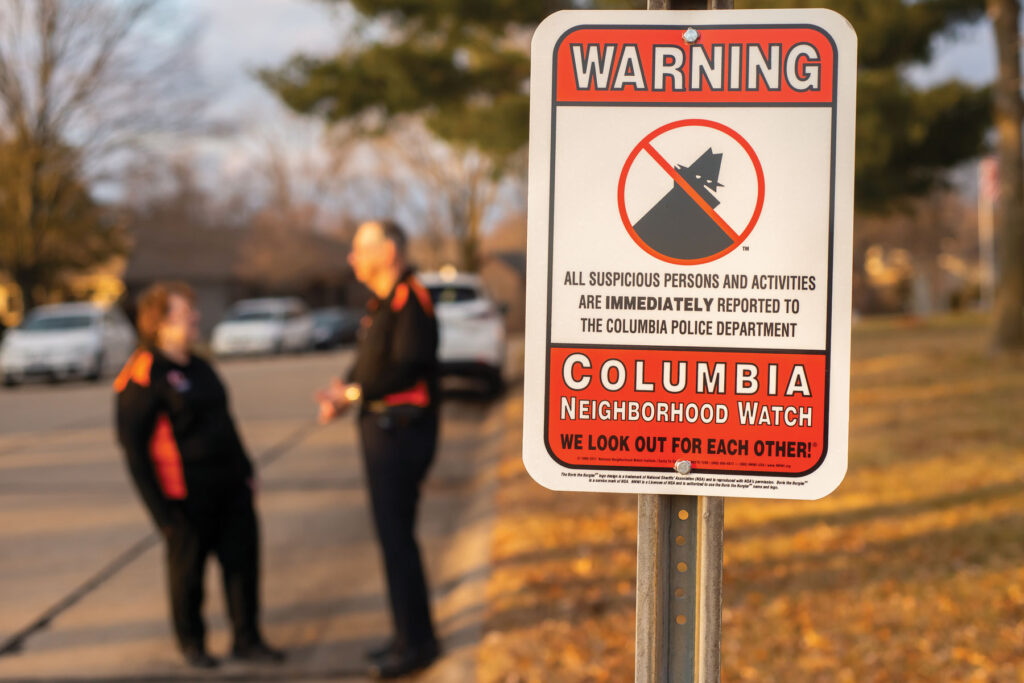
(464, 66)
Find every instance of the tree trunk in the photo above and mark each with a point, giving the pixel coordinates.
(471, 207)
(469, 247)
(689, 4)
(28, 282)
(1009, 117)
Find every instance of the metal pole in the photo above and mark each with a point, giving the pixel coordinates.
(679, 562)
(679, 588)
(710, 545)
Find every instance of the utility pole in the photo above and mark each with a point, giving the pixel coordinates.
(1009, 209)
(679, 559)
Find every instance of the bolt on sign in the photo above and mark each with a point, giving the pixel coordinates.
(689, 252)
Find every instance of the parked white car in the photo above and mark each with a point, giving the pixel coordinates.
(270, 325)
(471, 327)
(66, 341)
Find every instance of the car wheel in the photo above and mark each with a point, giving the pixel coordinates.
(10, 381)
(97, 368)
(495, 383)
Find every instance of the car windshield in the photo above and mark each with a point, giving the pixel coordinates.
(49, 322)
(327, 316)
(245, 316)
(449, 294)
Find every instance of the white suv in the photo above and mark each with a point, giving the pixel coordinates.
(471, 327)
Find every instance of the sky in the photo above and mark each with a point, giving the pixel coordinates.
(969, 55)
(240, 36)
(236, 38)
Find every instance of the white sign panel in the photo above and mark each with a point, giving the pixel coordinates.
(689, 252)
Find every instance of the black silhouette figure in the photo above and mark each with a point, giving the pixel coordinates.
(677, 226)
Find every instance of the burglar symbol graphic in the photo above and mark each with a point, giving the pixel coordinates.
(678, 225)
(689, 222)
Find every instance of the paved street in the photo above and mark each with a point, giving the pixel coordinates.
(81, 575)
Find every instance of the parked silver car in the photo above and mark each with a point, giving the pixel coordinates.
(66, 341)
(267, 325)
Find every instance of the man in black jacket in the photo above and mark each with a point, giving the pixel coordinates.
(395, 378)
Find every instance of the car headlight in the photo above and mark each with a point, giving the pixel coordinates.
(9, 353)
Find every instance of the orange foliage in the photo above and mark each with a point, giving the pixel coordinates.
(913, 570)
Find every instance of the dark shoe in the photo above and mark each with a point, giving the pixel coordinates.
(401, 662)
(198, 659)
(257, 652)
(381, 650)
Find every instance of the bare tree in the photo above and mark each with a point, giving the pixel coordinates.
(459, 185)
(277, 250)
(1009, 116)
(81, 83)
(363, 172)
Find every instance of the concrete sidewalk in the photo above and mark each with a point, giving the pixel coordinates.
(69, 514)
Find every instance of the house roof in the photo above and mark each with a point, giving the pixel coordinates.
(224, 255)
(193, 254)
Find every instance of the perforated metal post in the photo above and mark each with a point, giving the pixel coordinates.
(679, 561)
(679, 588)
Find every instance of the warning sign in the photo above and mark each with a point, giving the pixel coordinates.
(689, 254)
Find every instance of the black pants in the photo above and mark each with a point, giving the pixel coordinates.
(220, 520)
(397, 457)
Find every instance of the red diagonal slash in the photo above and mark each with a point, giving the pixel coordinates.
(692, 192)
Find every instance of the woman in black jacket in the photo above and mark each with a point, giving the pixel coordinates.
(192, 472)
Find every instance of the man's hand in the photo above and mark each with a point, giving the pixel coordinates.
(335, 400)
(327, 411)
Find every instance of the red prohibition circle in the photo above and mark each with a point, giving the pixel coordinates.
(672, 126)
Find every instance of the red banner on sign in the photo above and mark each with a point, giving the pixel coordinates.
(641, 65)
(724, 411)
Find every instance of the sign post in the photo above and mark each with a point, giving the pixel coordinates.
(679, 561)
(689, 282)
(679, 588)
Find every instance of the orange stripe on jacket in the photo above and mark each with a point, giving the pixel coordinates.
(423, 295)
(401, 296)
(419, 395)
(137, 369)
(163, 451)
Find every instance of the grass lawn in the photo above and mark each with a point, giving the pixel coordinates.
(913, 570)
